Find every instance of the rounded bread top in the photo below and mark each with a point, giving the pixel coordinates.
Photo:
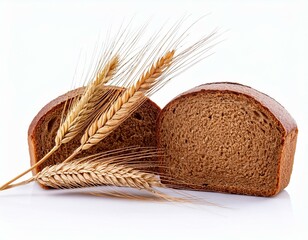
(278, 111)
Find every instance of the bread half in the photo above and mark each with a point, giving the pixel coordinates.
(226, 137)
(138, 130)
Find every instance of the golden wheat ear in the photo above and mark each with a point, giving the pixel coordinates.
(116, 168)
(98, 171)
(125, 168)
(123, 106)
(81, 113)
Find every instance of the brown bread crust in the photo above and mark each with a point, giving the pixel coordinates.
(49, 107)
(266, 101)
(283, 120)
(139, 129)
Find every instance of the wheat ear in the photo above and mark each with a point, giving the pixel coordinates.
(125, 104)
(80, 173)
(95, 173)
(79, 115)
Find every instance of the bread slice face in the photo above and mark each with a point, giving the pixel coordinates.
(226, 137)
(138, 130)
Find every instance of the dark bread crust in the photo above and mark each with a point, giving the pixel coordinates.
(283, 119)
(277, 110)
(47, 109)
(36, 145)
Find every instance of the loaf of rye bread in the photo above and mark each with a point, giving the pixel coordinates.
(226, 137)
(138, 130)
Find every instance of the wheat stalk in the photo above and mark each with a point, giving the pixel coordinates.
(80, 114)
(121, 109)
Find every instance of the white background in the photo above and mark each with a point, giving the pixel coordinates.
(40, 44)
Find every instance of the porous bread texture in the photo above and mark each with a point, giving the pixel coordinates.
(138, 130)
(226, 137)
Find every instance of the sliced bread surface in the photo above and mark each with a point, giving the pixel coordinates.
(226, 137)
(138, 130)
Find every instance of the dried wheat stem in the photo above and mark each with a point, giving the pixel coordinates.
(7, 185)
(121, 109)
(20, 183)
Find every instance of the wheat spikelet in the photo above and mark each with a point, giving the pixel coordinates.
(121, 109)
(79, 115)
(95, 173)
